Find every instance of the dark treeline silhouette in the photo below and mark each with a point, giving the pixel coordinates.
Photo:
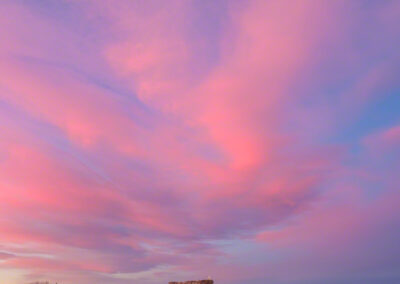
(194, 282)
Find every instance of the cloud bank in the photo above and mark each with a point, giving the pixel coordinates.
(147, 141)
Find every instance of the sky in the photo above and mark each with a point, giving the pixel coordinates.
(152, 141)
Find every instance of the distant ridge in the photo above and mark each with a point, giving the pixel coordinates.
(194, 282)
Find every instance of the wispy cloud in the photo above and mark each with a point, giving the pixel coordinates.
(150, 141)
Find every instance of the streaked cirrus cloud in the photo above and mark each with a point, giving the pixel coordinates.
(146, 141)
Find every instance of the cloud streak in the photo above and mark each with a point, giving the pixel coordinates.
(151, 141)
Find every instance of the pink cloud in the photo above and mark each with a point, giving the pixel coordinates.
(144, 138)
